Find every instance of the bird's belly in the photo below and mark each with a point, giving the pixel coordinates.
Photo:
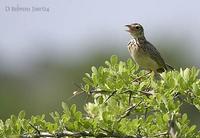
(146, 62)
(142, 58)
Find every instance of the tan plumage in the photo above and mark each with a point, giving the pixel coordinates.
(143, 52)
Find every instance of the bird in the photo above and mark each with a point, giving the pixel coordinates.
(143, 52)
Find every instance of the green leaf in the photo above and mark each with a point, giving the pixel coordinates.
(94, 70)
(65, 108)
(187, 74)
(87, 124)
(147, 119)
(21, 114)
(100, 99)
(113, 60)
(165, 102)
(196, 103)
(108, 63)
(196, 89)
(55, 115)
(87, 87)
(78, 115)
(130, 63)
(106, 116)
(166, 117)
(192, 128)
(87, 81)
(184, 118)
(95, 79)
(87, 74)
(65, 118)
(73, 109)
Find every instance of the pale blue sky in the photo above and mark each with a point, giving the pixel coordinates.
(72, 24)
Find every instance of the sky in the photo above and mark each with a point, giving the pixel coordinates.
(70, 26)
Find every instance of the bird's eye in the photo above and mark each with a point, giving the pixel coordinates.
(137, 27)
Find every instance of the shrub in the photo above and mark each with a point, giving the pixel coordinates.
(126, 102)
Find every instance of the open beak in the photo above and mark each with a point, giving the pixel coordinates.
(129, 27)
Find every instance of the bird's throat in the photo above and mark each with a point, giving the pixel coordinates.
(140, 40)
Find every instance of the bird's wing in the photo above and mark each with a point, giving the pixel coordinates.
(155, 55)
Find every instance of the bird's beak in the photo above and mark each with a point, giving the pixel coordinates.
(129, 27)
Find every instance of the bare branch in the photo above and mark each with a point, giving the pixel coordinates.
(171, 125)
(161, 134)
(146, 93)
(79, 134)
(127, 112)
(113, 93)
(138, 78)
(36, 129)
(129, 98)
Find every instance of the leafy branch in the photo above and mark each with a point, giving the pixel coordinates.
(126, 103)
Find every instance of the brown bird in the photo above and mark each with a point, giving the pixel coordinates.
(143, 52)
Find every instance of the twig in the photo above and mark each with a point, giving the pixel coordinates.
(139, 132)
(145, 113)
(107, 131)
(128, 91)
(87, 97)
(79, 134)
(113, 93)
(147, 93)
(161, 134)
(91, 91)
(76, 93)
(36, 129)
(129, 98)
(171, 125)
(127, 112)
(99, 91)
(80, 87)
(138, 78)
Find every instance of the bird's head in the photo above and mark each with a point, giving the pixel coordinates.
(136, 30)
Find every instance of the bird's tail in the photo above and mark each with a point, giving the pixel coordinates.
(169, 67)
